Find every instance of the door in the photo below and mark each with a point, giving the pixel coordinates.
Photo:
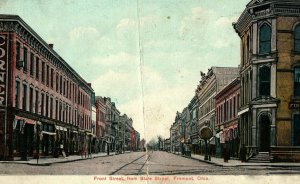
(264, 129)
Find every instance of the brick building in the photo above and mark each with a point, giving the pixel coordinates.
(45, 106)
(227, 105)
(101, 125)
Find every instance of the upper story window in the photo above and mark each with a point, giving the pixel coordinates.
(18, 46)
(43, 72)
(31, 64)
(37, 68)
(264, 81)
(17, 94)
(265, 34)
(25, 59)
(297, 38)
(297, 81)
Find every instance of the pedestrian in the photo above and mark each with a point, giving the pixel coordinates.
(243, 152)
(209, 151)
(226, 153)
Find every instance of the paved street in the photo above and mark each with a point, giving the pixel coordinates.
(137, 163)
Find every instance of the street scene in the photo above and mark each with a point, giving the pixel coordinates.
(140, 163)
(136, 88)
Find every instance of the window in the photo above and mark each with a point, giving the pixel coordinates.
(51, 107)
(51, 78)
(31, 100)
(60, 111)
(18, 46)
(297, 81)
(47, 75)
(42, 104)
(296, 130)
(60, 89)
(31, 64)
(37, 69)
(25, 59)
(17, 94)
(43, 72)
(56, 109)
(265, 34)
(297, 38)
(57, 78)
(36, 101)
(24, 97)
(47, 105)
(265, 82)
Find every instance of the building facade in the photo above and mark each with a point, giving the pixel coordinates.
(45, 105)
(269, 111)
(193, 136)
(227, 106)
(211, 83)
(101, 125)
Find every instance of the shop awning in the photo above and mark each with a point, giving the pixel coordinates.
(30, 121)
(60, 128)
(49, 133)
(243, 111)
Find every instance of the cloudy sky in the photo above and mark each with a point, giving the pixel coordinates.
(149, 62)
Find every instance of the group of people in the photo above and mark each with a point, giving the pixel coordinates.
(226, 153)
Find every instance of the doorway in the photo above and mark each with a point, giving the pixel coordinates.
(264, 128)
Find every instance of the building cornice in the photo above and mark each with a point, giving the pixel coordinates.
(262, 9)
(13, 23)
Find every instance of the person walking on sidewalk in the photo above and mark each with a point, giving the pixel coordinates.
(243, 153)
(226, 153)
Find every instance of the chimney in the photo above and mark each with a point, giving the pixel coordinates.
(51, 45)
(89, 84)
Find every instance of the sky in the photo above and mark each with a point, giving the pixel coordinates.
(145, 54)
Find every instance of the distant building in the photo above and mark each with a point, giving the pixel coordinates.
(211, 83)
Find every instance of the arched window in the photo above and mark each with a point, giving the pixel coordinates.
(265, 33)
(297, 81)
(264, 81)
(297, 38)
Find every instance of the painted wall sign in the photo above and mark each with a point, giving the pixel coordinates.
(3, 65)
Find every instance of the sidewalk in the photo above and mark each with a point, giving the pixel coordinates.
(237, 163)
(49, 161)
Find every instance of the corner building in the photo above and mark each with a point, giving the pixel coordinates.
(270, 78)
(45, 106)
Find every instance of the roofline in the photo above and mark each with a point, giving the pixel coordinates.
(8, 17)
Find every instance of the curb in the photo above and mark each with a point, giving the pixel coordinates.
(241, 165)
(50, 163)
(62, 161)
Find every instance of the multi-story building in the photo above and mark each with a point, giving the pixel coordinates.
(112, 118)
(211, 83)
(185, 127)
(44, 104)
(101, 125)
(269, 72)
(175, 133)
(167, 145)
(227, 105)
(193, 137)
(137, 140)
